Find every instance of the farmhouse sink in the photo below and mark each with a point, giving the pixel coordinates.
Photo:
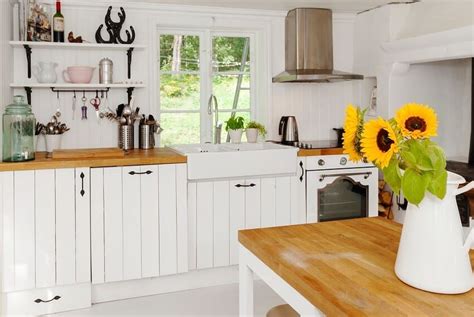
(211, 161)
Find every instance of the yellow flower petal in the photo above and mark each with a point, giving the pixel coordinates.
(379, 142)
(417, 121)
(352, 126)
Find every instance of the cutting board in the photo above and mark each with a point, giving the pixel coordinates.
(88, 153)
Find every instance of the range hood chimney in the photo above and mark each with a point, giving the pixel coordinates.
(308, 48)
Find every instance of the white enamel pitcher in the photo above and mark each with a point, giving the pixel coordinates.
(433, 254)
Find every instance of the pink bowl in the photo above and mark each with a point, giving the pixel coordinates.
(78, 74)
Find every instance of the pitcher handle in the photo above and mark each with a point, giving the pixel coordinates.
(464, 189)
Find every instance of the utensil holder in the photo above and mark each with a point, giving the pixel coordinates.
(126, 137)
(146, 136)
(53, 142)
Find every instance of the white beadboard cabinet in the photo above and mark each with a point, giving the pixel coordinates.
(138, 222)
(46, 240)
(219, 208)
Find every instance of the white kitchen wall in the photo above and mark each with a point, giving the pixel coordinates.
(446, 86)
(318, 107)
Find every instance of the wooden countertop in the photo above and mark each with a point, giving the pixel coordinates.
(316, 152)
(346, 268)
(135, 157)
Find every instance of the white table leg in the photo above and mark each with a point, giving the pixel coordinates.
(245, 286)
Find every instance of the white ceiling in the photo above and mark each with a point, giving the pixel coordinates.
(335, 5)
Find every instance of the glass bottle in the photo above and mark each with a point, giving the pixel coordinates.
(18, 131)
(58, 24)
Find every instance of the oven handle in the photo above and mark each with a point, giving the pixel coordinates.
(323, 176)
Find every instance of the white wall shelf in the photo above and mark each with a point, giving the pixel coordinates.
(29, 45)
(65, 45)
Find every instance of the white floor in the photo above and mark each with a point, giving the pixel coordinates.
(211, 301)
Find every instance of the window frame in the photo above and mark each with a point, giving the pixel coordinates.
(206, 73)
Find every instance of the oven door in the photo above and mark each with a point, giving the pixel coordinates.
(341, 194)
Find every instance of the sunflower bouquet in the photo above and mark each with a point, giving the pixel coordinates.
(401, 148)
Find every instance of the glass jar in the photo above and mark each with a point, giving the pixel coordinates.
(18, 131)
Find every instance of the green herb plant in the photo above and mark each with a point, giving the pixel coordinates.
(260, 127)
(234, 123)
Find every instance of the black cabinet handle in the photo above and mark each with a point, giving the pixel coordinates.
(140, 173)
(243, 185)
(302, 171)
(82, 192)
(38, 300)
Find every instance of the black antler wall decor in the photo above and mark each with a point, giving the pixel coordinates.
(114, 29)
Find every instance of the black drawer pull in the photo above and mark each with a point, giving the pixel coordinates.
(302, 171)
(82, 192)
(243, 185)
(140, 173)
(57, 297)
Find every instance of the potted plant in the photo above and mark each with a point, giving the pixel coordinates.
(252, 131)
(234, 126)
(431, 255)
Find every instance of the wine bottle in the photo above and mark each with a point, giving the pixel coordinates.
(58, 24)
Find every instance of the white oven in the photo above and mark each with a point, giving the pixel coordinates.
(337, 188)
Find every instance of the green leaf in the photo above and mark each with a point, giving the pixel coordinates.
(414, 185)
(438, 183)
(392, 175)
(409, 158)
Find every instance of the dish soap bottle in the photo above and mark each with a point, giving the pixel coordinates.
(18, 131)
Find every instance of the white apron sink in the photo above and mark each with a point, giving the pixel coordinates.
(210, 161)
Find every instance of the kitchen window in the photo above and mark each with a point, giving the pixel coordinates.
(193, 66)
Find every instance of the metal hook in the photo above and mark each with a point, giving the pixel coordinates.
(57, 94)
(74, 94)
(97, 94)
(83, 94)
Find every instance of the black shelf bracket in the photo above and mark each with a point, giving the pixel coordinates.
(28, 58)
(28, 94)
(129, 93)
(129, 62)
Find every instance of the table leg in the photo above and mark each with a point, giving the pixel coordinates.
(245, 287)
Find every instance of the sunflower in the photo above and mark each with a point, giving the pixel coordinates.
(352, 129)
(417, 121)
(379, 142)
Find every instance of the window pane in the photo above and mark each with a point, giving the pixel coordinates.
(179, 92)
(179, 128)
(224, 116)
(179, 52)
(224, 88)
(227, 53)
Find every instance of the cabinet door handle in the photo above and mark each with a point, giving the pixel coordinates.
(302, 171)
(140, 173)
(82, 192)
(243, 185)
(38, 300)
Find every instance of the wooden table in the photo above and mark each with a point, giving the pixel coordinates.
(339, 268)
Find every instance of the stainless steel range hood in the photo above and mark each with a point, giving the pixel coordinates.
(308, 45)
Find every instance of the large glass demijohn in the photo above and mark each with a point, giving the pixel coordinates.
(18, 131)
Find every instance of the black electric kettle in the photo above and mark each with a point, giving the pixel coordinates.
(288, 129)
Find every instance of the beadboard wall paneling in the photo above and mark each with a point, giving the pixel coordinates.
(316, 106)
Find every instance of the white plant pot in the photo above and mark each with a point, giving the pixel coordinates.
(235, 135)
(432, 254)
(252, 135)
(53, 142)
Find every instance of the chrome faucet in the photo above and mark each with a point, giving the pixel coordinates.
(217, 123)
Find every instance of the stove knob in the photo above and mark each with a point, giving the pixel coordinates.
(310, 146)
(321, 162)
(343, 161)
